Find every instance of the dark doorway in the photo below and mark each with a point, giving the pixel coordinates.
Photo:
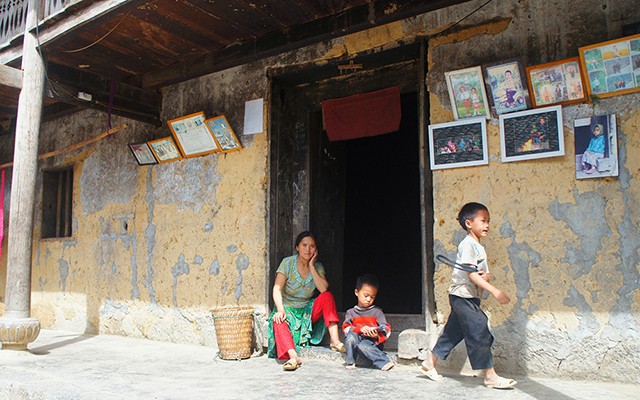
(382, 232)
(368, 200)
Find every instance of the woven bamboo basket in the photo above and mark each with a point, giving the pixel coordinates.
(234, 328)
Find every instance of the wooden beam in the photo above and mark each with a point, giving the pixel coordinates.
(10, 76)
(353, 20)
(74, 146)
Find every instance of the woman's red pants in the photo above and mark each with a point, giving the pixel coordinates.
(323, 306)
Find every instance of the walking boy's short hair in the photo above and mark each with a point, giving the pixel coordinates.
(367, 279)
(469, 211)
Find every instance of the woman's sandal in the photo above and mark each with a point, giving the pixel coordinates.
(290, 365)
(340, 348)
(501, 383)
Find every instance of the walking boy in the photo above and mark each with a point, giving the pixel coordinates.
(365, 327)
(467, 321)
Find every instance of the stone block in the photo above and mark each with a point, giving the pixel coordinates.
(411, 342)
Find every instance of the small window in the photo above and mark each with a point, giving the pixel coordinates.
(57, 190)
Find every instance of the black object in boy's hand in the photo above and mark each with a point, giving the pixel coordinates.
(453, 264)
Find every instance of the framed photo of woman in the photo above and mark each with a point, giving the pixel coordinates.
(467, 94)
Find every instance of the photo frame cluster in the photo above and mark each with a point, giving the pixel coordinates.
(193, 135)
(601, 70)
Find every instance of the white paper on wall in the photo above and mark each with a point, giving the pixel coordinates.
(253, 116)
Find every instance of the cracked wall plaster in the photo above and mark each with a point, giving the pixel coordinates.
(587, 221)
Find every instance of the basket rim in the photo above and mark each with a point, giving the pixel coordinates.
(232, 311)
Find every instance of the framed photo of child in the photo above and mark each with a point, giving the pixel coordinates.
(558, 82)
(531, 134)
(612, 67)
(596, 142)
(460, 143)
(467, 94)
(507, 88)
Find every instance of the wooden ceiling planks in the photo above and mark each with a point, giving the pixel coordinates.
(155, 43)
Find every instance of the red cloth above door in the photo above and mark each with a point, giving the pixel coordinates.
(362, 115)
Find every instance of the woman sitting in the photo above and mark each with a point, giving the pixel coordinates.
(295, 321)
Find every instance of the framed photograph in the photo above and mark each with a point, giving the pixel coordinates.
(612, 68)
(467, 94)
(224, 135)
(531, 134)
(192, 135)
(461, 143)
(507, 88)
(165, 149)
(559, 82)
(142, 153)
(596, 147)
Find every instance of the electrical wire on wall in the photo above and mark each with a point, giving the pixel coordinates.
(461, 19)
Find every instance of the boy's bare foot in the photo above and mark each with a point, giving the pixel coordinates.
(388, 366)
(350, 366)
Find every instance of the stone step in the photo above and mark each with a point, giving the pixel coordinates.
(326, 354)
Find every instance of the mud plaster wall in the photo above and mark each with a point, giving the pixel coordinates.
(155, 248)
(565, 251)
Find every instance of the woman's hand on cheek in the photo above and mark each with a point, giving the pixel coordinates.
(314, 257)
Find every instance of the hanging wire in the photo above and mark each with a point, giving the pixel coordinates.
(61, 88)
(100, 39)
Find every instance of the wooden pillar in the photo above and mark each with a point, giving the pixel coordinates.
(17, 328)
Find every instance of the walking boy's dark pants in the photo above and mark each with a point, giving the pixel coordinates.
(467, 321)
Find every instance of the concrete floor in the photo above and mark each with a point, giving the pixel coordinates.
(62, 365)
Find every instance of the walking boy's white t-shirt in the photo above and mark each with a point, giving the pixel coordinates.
(472, 252)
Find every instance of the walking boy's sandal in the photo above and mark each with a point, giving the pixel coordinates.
(501, 383)
(431, 373)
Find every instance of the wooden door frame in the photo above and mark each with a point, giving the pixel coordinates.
(280, 234)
